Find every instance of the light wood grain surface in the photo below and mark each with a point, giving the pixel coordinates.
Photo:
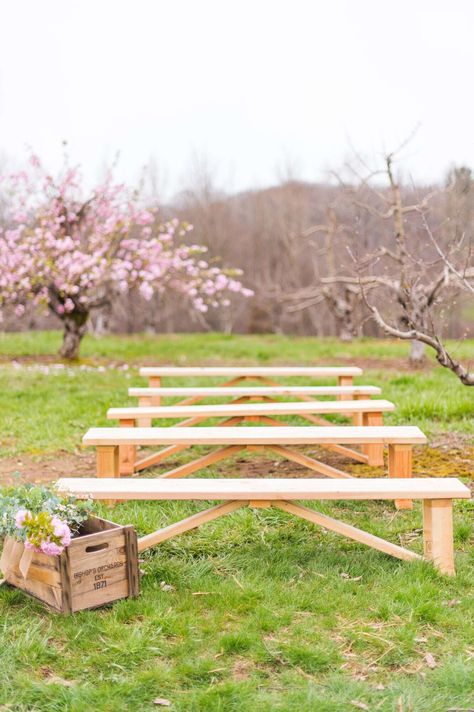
(231, 409)
(266, 435)
(206, 371)
(253, 489)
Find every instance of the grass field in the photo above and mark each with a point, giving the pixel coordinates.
(257, 610)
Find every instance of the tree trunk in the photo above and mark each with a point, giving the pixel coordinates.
(415, 316)
(343, 312)
(75, 326)
(345, 328)
(417, 352)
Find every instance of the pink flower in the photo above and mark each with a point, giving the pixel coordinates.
(35, 161)
(146, 291)
(61, 530)
(234, 286)
(20, 517)
(51, 549)
(144, 218)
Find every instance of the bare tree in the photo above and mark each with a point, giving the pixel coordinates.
(423, 272)
(340, 297)
(399, 262)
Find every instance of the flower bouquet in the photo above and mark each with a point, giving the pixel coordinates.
(37, 519)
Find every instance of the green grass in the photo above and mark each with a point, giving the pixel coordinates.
(69, 399)
(260, 610)
(183, 349)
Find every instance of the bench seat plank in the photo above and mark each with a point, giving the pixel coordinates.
(284, 435)
(232, 409)
(260, 391)
(248, 371)
(265, 489)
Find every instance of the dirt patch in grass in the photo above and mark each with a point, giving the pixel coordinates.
(48, 359)
(444, 461)
(242, 669)
(440, 461)
(392, 364)
(366, 363)
(264, 467)
(62, 464)
(447, 460)
(381, 364)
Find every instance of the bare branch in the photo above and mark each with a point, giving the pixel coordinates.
(460, 276)
(443, 357)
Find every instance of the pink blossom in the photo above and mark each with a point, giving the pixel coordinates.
(61, 530)
(234, 286)
(20, 517)
(35, 161)
(51, 549)
(146, 291)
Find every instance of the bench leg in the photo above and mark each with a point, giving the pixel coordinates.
(108, 461)
(344, 381)
(400, 465)
(127, 453)
(108, 465)
(144, 402)
(374, 451)
(155, 382)
(438, 534)
(358, 418)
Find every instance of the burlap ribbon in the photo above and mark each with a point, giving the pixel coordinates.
(15, 556)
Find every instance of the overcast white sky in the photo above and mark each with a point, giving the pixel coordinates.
(251, 84)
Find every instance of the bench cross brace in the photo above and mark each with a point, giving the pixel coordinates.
(225, 452)
(437, 529)
(127, 452)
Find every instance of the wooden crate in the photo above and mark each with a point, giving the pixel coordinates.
(99, 566)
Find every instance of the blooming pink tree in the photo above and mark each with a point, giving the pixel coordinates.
(72, 254)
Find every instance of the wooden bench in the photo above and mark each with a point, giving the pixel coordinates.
(400, 440)
(437, 495)
(242, 394)
(237, 374)
(368, 412)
